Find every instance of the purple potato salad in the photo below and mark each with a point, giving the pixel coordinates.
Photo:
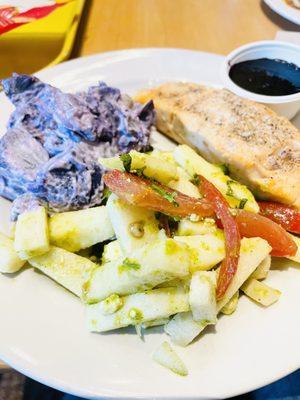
(49, 153)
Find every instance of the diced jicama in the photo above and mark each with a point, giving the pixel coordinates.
(138, 308)
(111, 304)
(166, 356)
(263, 269)
(68, 269)
(186, 227)
(155, 322)
(260, 292)
(252, 252)
(10, 262)
(183, 184)
(232, 304)
(146, 164)
(112, 251)
(153, 167)
(164, 155)
(206, 251)
(139, 331)
(158, 262)
(176, 282)
(134, 226)
(76, 230)
(150, 324)
(112, 163)
(202, 297)
(237, 195)
(32, 234)
(183, 329)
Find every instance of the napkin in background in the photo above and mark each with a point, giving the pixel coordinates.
(288, 36)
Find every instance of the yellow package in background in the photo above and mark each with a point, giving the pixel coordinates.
(42, 42)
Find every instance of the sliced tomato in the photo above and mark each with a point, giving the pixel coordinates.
(255, 225)
(157, 197)
(232, 236)
(154, 196)
(286, 216)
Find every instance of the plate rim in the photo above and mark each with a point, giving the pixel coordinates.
(86, 394)
(122, 52)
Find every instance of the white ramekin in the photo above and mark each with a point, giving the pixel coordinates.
(287, 106)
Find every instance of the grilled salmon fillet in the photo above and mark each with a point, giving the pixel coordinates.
(261, 148)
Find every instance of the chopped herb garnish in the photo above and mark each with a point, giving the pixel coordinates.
(140, 171)
(166, 195)
(126, 160)
(157, 215)
(149, 149)
(130, 264)
(224, 168)
(196, 180)
(174, 219)
(135, 314)
(106, 193)
(242, 203)
(229, 189)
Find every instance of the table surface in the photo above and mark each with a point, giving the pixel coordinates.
(216, 26)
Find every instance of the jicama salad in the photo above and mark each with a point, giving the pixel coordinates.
(176, 244)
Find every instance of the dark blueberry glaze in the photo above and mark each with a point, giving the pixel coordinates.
(271, 77)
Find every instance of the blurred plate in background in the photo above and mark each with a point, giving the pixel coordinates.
(282, 8)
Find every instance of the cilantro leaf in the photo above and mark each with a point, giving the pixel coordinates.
(126, 160)
(166, 195)
(130, 264)
(195, 179)
(140, 171)
(106, 193)
(224, 168)
(157, 215)
(242, 203)
(230, 193)
(229, 189)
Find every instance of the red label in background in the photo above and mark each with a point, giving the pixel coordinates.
(11, 18)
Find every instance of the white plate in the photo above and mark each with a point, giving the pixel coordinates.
(43, 331)
(283, 9)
